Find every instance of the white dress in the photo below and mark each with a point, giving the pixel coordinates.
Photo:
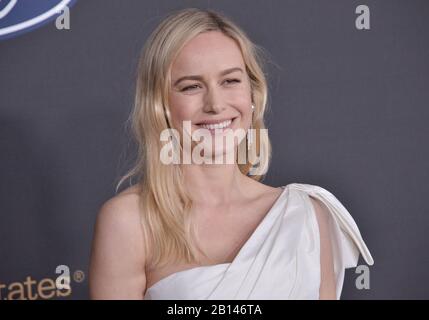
(280, 260)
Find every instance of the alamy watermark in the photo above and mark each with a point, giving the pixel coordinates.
(362, 21)
(63, 20)
(213, 146)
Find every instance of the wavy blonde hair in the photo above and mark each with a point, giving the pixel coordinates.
(164, 201)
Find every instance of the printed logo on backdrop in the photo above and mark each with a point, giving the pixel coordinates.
(22, 16)
(52, 287)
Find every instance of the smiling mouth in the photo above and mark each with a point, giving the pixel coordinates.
(219, 125)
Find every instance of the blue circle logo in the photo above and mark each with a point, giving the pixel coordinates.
(21, 16)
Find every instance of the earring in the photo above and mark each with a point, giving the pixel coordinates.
(250, 132)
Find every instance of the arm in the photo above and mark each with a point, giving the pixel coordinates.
(327, 289)
(117, 257)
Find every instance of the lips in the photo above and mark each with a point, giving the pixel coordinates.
(219, 125)
(215, 121)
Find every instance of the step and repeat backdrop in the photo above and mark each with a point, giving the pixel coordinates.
(348, 99)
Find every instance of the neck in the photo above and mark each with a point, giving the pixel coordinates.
(214, 185)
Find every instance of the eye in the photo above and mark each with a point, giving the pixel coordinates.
(230, 81)
(189, 87)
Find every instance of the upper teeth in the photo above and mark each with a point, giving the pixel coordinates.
(220, 125)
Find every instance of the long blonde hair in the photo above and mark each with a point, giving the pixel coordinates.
(164, 202)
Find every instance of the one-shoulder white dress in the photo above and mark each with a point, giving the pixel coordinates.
(280, 260)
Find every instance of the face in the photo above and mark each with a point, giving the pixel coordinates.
(210, 87)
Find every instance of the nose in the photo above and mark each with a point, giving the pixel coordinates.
(213, 102)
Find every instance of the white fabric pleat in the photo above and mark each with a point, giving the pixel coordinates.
(280, 260)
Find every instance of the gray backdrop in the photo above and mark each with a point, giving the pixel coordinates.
(348, 112)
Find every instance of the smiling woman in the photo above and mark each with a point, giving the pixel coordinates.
(211, 87)
(213, 230)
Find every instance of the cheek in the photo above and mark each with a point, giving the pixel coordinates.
(242, 101)
(240, 97)
(182, 108)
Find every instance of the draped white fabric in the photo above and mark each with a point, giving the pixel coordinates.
(280, 260)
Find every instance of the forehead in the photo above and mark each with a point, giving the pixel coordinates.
(208, 52)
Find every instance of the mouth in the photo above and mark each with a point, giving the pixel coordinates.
(220, 125)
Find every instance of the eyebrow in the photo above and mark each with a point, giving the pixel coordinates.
(195, 77)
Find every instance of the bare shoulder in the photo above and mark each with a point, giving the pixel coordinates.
(124, 204)
(117, 255)
(327, 290)
(120, 214)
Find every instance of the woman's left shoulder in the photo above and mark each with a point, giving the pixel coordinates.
(323, 200)
(310, 189)
(331, 232)
(329, 211)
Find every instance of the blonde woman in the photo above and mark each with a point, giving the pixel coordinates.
(201, 230)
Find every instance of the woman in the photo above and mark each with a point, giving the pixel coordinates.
(201, 230)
